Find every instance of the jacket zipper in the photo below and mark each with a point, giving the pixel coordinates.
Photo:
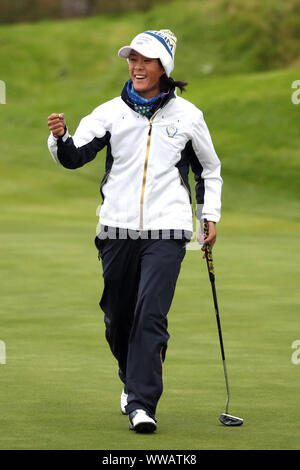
(145, 175)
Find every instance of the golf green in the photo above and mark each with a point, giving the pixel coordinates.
(59, 386)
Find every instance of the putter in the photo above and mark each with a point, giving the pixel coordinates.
(225, 418)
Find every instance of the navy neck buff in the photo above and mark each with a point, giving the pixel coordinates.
(142, 105)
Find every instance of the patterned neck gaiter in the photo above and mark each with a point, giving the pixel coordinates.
(141, 105)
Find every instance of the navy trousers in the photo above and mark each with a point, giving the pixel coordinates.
(139, 283)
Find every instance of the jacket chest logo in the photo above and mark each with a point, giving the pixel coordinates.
(171, 130)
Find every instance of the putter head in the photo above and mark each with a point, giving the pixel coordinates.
(229, 420)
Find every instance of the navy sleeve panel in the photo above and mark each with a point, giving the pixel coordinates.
(189, 158)
(197, 170)
(73, 157)
(183, 168)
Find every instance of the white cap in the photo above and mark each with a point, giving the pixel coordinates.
(154, 45)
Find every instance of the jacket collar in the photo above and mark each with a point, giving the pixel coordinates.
(160, 103)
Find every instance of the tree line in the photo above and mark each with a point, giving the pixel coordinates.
(34, 10)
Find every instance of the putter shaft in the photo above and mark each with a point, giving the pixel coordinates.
(211, 271)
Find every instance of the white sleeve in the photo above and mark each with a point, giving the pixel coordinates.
(211, 174)
(89, 138)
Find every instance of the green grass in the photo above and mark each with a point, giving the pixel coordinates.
(59, 388)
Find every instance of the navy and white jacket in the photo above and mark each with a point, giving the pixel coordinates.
(145, 185)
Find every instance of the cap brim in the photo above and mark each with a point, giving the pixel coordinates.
(125, 52)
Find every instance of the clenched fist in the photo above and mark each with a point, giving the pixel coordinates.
(56, 124)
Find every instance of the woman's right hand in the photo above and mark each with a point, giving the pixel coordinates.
(56, 124)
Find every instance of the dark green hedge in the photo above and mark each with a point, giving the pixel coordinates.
(33, 10)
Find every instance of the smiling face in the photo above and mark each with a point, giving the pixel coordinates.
(145, 74)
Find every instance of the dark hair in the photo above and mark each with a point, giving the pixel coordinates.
(167, 83)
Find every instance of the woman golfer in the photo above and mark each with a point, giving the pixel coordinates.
(152, 138)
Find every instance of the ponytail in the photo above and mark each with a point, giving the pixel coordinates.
(167, 83)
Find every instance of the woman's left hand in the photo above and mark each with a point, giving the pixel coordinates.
(211, 238)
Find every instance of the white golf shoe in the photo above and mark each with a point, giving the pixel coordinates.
(141, 422)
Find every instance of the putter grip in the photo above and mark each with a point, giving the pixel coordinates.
(208, 253)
